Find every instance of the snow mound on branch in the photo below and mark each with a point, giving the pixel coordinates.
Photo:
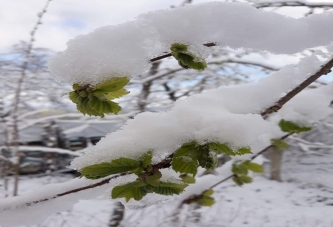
(20, 210)
(227, 115)
(125, 49)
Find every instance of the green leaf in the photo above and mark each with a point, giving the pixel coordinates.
(104, 169)
(168, 188)
(178, 47)
(239, 169)
(237, 181)
(291, 127)
(187, 179)
(220, 148)
(208, 192)
(185, 159)
(185, 164)
(130, 190)
(207, 159)
(100, 95)
(112, 85)
(153, 182)
(146, 159)
(76, 87)
(117, 94)
(83, 94)
(245, 179)
(206, 201)
(74, 97)
(154, 179)
(243, 150)
(279, 143)
(254, 167)
(185, 58)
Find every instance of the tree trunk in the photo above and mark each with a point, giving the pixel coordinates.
(276, 162)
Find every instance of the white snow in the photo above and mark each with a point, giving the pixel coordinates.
(227, 115)
(125, 49)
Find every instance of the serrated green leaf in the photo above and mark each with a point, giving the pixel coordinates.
(291, 127)
(153, 182)
(254, 167)
(185, 159)
(220, 148)
(208, 192)
(104, 169)
(245, 179)
(279, 143)
(117, 94)
(206, 201)
(187, 179)
(185, 164)
(130, 190)
(146, 159)
(112, 85)
(74, 97)
(168, 188)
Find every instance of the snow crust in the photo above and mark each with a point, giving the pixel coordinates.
(125, 49)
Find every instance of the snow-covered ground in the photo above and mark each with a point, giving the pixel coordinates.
(305, 198)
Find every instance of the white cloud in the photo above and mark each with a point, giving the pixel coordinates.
(66, 19)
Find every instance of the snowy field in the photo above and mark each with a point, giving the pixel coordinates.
(305, 198)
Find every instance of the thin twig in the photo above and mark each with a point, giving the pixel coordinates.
(24, 67)
(252, 158)
(293, 4)
(169, 54)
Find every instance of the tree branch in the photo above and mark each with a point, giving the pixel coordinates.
(293, 4)
(166, 163)
(325, 69)
(169, 54)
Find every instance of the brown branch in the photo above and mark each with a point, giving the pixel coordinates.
(325, 69)
(292, 4)
(166, 163)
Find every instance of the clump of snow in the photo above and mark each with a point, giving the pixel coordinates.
(227, 115)
(308, 107)
(125, 49)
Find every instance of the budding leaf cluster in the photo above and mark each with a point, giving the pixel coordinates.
(186, 160)
(96, 100)
(148, 180)
(185, 58)
(191, 155)
(241, 170)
